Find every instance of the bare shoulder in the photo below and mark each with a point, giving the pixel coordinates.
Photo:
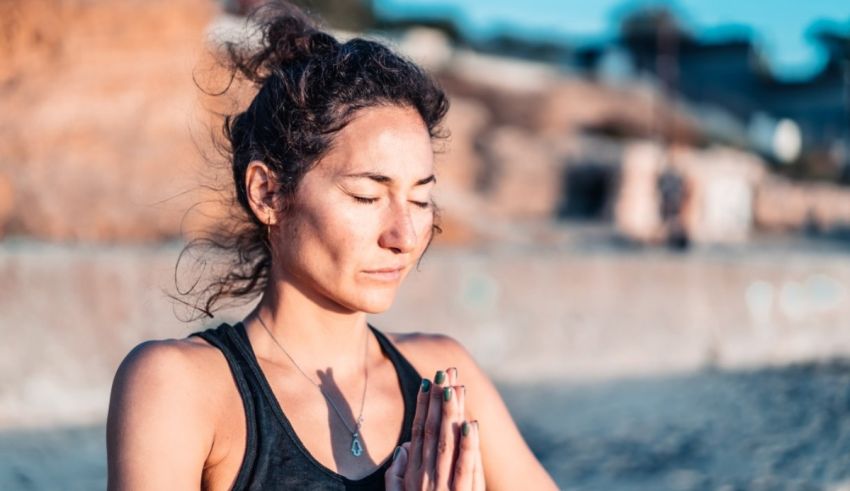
(429, 352)
(171, 373)
(161, 413)
(427, 346)
(167, 363)
(423, 343)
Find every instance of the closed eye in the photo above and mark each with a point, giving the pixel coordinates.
(361, 199)
(366, 201)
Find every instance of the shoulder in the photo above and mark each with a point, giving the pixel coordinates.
(168, 363)
(163, 377)
(439, 351)
(429, 352)
(175, 373)
(162, 410)
(424, 343)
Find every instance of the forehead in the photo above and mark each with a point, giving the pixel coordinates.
(389, 140)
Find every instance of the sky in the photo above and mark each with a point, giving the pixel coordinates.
(780, 28)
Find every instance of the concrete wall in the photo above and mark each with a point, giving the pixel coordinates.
(69, 314)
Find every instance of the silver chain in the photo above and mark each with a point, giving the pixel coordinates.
(335, 408)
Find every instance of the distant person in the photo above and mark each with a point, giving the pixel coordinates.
(333, 170)
(673, 192)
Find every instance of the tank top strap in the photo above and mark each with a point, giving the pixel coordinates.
(226, 339)
(408, 378)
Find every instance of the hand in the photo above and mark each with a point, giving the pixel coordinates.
(439, 456)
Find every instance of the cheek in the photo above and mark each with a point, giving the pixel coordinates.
(337, 230)
(424, 225)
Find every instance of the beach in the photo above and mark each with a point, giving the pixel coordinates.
(768, 429)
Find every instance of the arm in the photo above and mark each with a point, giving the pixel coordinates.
(508, 462)
(157, 433)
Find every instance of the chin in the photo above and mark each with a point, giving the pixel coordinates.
(374, 302)
(376, 307)
(371, 297)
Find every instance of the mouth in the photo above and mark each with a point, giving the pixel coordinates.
(385, 274)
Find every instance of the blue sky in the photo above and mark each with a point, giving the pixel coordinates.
(780, 27)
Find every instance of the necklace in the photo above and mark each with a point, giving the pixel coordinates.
(356, 445)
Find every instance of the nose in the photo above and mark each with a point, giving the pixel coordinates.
(399, 234)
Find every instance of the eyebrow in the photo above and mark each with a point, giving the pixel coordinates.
(389, 180)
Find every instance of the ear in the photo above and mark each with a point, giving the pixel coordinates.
(261, 188)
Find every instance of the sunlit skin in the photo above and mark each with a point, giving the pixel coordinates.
(359, 221)
(361, 218)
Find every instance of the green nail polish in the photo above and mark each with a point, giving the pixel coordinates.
(465, 428)
(426, 385)
(447, 394)
(395, 452)
(439, 377)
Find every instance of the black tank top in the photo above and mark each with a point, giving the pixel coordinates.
(274, 456)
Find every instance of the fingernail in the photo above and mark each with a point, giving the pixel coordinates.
(447, 394)
(439, 377)
(426, 385)
(396, 452)
(465, 428)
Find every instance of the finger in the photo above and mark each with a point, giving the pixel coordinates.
(478, 483)
(460, 392)
(451, 374)
(449, 428)
(394, 477)
(463, 477)
(416, 432)
(431, 431)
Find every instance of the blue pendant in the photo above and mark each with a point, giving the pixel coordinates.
(356, 446)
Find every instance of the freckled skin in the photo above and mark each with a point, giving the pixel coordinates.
(329, 239)
(176, 419)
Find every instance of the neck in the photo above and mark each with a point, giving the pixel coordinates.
(315, 335)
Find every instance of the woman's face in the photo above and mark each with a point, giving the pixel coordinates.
(362, 216)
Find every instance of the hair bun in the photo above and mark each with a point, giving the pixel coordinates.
(292, 38)
(287, 35)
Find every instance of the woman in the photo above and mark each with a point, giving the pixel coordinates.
(333, 169)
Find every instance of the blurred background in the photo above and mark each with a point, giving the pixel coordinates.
(646, 214)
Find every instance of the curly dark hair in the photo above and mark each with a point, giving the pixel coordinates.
(310, 86)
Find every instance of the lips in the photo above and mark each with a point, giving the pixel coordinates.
(385, 274)
(385, 270)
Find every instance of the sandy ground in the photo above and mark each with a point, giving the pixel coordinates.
(770, 429)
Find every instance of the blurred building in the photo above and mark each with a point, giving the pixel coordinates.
(722, 137)
(729, 74)
(732, 74)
